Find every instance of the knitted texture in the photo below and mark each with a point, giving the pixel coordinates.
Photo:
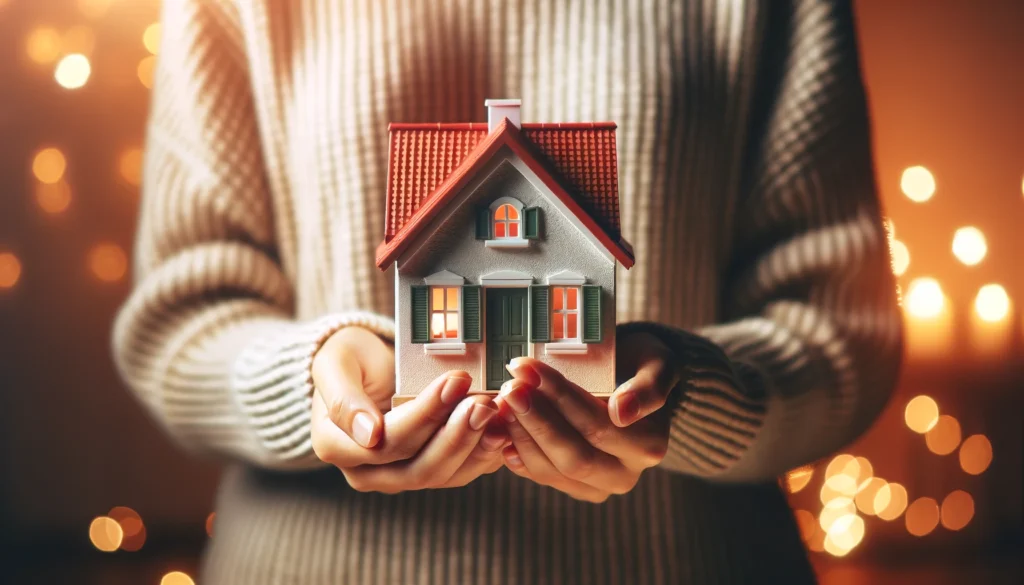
(746, 188)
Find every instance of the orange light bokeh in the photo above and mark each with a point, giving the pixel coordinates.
(890, 501)
(53, 197)
(105, 534)
(43, 45)
(145, 71)
(48, 165)
(130, 165)
(921, 414)
(108, 262)
(975, 454)
(918, 184)
(944, 437)
(957, 510)
(151, 38)
(922, 516)
(10, 270)
(73, 71)
(176, 578)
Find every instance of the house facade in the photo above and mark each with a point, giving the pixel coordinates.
(505, 242)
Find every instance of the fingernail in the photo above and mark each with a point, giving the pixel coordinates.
(454, 389)
(480, 415)
(505, 412)
(517, 368)
(362, 428)
(512, 457)
(515, 394)
(627, 408)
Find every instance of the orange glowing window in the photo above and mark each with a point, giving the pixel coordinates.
(565, 313)
(444, 312)
(506, 222)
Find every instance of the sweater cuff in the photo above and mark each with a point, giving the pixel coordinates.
(273, 382)
(717, 409)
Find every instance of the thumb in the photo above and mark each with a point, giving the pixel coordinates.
(338, 378)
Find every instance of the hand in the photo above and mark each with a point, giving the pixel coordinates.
(564, 437)
(439, 439)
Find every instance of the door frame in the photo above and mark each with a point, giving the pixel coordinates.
(483, 326)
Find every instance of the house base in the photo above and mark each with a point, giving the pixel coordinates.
(399, 400)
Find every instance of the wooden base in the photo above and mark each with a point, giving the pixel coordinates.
(399, 400)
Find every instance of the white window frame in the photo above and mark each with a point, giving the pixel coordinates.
(444, 345)
(567, 279)
(507, 241)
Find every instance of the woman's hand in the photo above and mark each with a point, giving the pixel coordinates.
(564, 437)
(439, 439)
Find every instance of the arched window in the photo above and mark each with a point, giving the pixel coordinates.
(506, 222)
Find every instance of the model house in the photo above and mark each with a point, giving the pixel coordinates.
(505, 240)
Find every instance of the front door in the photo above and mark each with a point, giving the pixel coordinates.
(507, 316)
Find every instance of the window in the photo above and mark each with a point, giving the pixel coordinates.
(444, 312)
(565, 313)
(506, 222)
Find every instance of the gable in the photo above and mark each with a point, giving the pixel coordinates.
(429, 163)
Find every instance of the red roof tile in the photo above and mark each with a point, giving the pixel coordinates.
(577, 161)
(423, 155)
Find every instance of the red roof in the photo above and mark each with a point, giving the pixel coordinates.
(427, 163)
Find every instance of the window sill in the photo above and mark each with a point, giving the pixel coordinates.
(508, 243)
(445, 348)
(565, 348)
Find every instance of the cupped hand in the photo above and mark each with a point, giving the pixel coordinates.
(442, 438)
(566, 438)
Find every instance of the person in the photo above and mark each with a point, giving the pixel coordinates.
(759, 328)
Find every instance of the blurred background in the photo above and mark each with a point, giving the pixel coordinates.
(92, 492)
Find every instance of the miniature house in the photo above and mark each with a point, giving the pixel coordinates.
(505, 240)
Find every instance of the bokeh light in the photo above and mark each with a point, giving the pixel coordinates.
(151, 38)
(992, 303)
(865, 498)
(890, 501)
(922, 516)
(176, 578)
(10, 270)
(944, 437)
(900, 257)
(925, 298)
(918, 184)
(145, 71)
(53, 197)
(838, 486)
(49, 165)
(73, 71)
(209, 523)
(957, 510)
(130, 165)
(834, 510)
(78, 39)
(105, 534)
(43, 45)
(108, 262)
(975, 454)
(844, 535)
(969, 245)
(921, 414)
(131, 525)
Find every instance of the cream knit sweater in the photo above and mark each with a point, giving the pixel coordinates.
(747, 190)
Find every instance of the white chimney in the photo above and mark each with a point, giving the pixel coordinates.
(498, 110)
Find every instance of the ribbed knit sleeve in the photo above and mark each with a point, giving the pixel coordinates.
(207, 340)
(810, 348)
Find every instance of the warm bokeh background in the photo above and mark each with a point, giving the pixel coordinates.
(933, 495)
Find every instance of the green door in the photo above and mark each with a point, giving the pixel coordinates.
(507, 316)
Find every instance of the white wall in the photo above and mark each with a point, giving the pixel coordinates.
(563, 246)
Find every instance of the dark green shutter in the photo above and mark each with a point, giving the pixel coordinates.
(483, 224)
(531, 223)
(420, 314)
(591, 313)
(540, 315)
(471, 313)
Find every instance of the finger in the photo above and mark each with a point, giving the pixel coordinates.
(572, 488)
(656, 374)
(411, 425)
(585, 412)
(443, 455)
(566, 450)
(340, 383)
(485, 459)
